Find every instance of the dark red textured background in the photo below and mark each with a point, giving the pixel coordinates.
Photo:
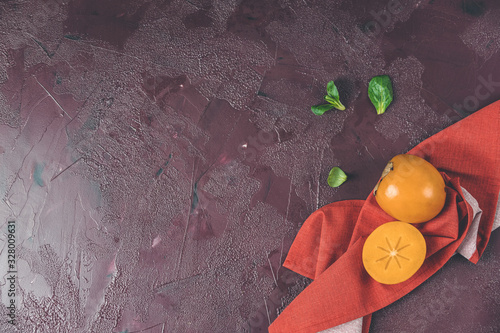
(159, 157)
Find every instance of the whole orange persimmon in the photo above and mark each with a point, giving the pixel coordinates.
(411, 189)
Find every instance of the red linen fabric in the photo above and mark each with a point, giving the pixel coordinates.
(329, 245)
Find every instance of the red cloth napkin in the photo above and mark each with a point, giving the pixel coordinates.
(329, 245)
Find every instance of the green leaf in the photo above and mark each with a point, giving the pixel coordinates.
(332, 98)
(336, 177)
(380, 92)
(320, 109)
(332, 91)
(336, 103)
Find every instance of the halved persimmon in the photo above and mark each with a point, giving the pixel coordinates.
(393, 252)
(411, 189)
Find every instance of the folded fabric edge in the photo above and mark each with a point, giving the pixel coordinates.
(468, 247)
(295, 257)
(496, 220)
(297, 269)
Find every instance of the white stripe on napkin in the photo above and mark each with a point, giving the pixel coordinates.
(353, 326)
(469, 244)
(496, 221)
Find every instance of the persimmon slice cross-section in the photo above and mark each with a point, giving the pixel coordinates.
(393, 252)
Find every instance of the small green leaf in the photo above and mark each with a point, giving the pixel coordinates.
(332, 98)
(380, 92)
(320, 109)
(336, 177)
(336, 103)
(332, 91)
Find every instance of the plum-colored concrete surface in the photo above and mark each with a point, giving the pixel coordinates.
(159, 157)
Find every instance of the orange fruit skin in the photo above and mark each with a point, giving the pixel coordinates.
(393, 252)
(413, 191)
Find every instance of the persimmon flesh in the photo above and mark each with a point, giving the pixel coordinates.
(393, 252)
(411, 189)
